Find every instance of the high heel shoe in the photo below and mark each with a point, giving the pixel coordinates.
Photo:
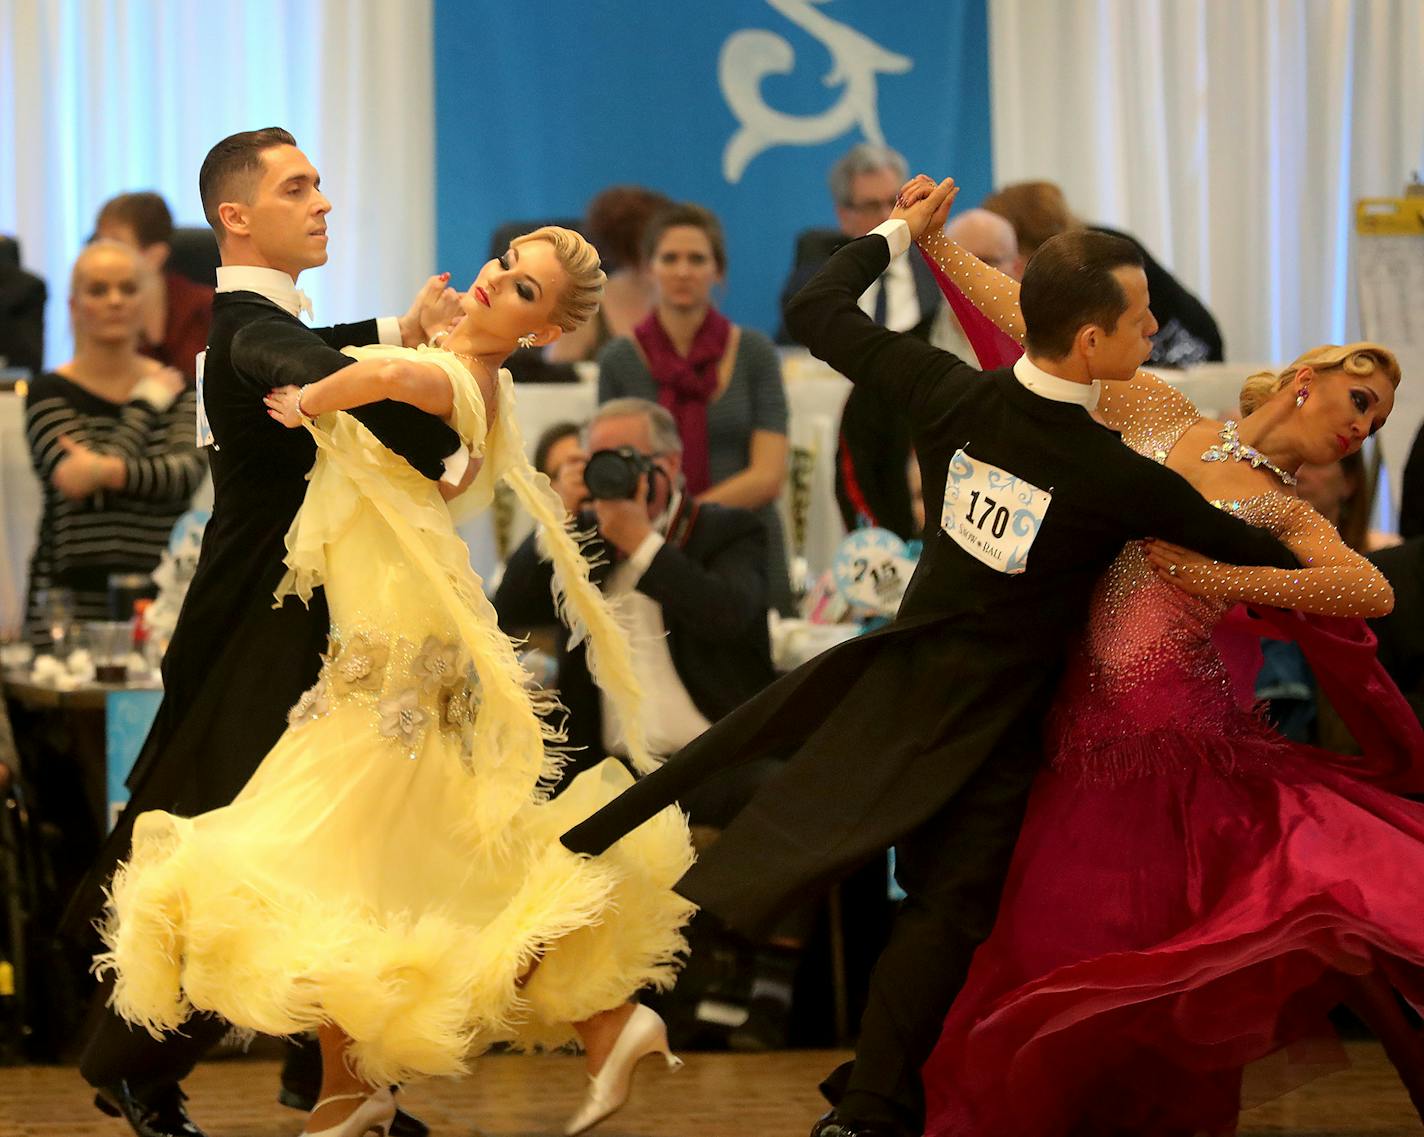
(373, 1115)
(644, 1033)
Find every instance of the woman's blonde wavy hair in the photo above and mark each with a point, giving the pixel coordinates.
(1352, 358)
(584, 290)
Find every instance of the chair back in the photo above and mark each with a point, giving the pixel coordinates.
(195, 254)
(815, 246)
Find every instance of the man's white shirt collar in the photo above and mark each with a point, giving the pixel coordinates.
(1059, 390)
(270, 283)
(275, 285)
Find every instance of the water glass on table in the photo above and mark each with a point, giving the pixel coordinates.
(56, 616)
(110, 642)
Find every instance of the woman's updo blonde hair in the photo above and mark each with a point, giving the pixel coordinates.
(1352, 358)
(584, 290)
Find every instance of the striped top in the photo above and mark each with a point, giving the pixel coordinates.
(81, 542)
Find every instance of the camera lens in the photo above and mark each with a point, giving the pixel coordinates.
(612, 475)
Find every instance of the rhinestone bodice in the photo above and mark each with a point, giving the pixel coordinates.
(1147, 667)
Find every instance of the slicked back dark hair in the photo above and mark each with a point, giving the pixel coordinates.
(233, 167)
(1069, 283)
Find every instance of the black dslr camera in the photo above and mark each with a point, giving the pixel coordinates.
(612, 475)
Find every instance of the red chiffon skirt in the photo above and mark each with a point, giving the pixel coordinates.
(1160, 932)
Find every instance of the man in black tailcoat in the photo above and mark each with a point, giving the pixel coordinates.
(926, 735)
(236, 664)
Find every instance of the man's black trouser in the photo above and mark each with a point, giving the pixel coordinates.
(952, 869)
(116, 1051)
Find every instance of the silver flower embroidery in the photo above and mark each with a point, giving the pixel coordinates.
(436, 666)
(361, 665)
(459, 704)
(312, 705)
(402, 716)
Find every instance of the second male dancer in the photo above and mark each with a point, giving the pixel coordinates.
(926, 735)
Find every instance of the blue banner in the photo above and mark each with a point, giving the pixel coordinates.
(741, 105)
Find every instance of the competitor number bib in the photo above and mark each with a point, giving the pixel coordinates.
(991, 514)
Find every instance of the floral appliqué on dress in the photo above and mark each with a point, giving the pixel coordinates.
(409, 690)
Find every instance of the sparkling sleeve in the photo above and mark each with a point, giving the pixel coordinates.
(1334, 580)
(1150, 413)
(994, 293)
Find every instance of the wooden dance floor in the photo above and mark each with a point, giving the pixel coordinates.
(716, 1095)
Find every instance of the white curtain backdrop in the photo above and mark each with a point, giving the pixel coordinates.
(102, 96)
(1232, 137)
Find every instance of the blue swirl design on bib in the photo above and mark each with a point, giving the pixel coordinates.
(960, 468)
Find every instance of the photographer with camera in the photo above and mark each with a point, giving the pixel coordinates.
(690, 583)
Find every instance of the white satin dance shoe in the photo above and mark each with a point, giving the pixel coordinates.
(373, 1115)
(644, 1033)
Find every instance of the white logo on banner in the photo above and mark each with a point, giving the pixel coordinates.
(752, 54)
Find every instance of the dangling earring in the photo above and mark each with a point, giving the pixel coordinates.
(526, 341)
(1302, 393)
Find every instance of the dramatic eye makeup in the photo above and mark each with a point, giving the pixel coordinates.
(525, 288)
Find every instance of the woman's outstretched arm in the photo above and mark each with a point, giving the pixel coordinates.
(1333, 579)
(422, 385)
(994, 293)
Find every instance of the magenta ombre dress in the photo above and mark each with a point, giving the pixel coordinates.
(1190, 889)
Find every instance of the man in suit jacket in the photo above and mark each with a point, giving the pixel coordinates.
(926, 735)
(236, 664)
(22, 308)
(873, 442)
(692, 583)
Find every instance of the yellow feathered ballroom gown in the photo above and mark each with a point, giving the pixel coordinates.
(393, 867)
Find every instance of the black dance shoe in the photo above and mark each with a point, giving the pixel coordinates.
(403, 1124)
(156, 1112)
(832, 1124)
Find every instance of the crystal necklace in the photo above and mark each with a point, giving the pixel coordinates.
(1232, 447)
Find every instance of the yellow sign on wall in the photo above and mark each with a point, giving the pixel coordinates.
(1390, 216)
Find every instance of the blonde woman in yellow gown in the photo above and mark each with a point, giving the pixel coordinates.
(391, 877)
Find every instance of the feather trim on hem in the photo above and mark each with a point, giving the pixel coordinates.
(419, 996)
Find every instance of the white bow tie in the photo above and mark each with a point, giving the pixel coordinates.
(304, 304)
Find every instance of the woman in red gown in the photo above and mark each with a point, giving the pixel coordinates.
(1191, 892)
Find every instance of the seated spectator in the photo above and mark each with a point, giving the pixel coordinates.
(721, 382)
(1186, 330)
(615, 222)
(1343, 493)
(111, 436)
(692, 578)
(560, 456)
(873, 442)
(22, 312)
(177, 310)
(864, 184)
